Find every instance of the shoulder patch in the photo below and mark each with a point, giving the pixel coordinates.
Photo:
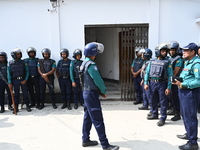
(170, 66)
(196, 70)
(95, 68)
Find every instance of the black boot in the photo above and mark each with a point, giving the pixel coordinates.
(41, 106)
(76, 106)
(68, 105)
(176, 117)
(54, 105)
(2, 109)
(32, 105)
(10, 107)
(28, 108)
(38, 106)
(64, 105)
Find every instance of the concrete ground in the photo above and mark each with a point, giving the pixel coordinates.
(50, 129)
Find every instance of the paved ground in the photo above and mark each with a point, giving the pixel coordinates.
(58, 129)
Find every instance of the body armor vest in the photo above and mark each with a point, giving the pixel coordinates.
(63, 69)
(47, 65)
(32, 65)
(159, 68)
(3, 69)
(17, 69)
(77, 64)
(137, 65)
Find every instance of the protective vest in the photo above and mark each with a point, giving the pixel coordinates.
(32, 65)
(77, 65)
(173, 63)
(138, 64)
(158, 68)
(88, 83)
(17, 69)
(144, 67)
(3, 69)
(63, 69)
(47, 65)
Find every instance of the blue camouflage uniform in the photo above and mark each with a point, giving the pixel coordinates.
(74, 76)
(137, 65)
(189, 97)
(93, 85)
(158, 74)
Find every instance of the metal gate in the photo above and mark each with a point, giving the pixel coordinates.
(129, 39)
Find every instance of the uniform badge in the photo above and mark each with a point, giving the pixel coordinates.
(196, 70)
(95, 68)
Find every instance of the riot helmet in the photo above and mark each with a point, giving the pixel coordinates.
(2, 53)
(64, 50)
(93, 49)
(147, 54)
(15, 51)
(31, 49)
(46, 50)
(161, 47)
(76, 52)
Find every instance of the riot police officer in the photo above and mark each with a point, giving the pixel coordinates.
(3, 84)
(74, 76)
(177, 65)
(146, 56)
(189, 89)
(33, 80)
(135, 70)
(63, 75)
(158, 73)
(93, 87)
(18, 74)
(46, 69)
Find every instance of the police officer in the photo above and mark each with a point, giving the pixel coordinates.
(18, 74)
(189, 90)
(146, 56)
(74, 76)
(135, 70)
(3, 84)
(46, 69)
(93, 87)
(159, 72)
(63, 75)
(177, 65)
(33, 80)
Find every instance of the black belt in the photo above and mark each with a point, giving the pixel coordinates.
(32, 76)
(18, 78)
(64, 77)
(158, 80)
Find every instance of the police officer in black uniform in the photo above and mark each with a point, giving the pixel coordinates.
(3, 84)
(63, 75)
(18, 74)
(74, 76)
(46, 68)
(33, 80)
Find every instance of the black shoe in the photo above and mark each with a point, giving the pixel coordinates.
(171, 112)
(2, 110)
(10, 107)
(112, 147)
(143, 108)
(184, 136)
(32, 105)
(176, 118)
(189, 146)
(152, 117)
(37, 106)
(137, 102)
(160, 123)
(76, 106)
(149, 114)
(64, 105)
(54, 106)
(41, 106)
(28, 108)
(82, 104)
(90, 143)
(68, 106)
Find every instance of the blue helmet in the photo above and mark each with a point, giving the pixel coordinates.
(160, 47)
(31, 49)
(93, 49)
(14, 51)
(147, 54)
(46, 50)
(64, 50)
(76, 52)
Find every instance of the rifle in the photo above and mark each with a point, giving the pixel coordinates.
(42, 70)
(11, 92)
